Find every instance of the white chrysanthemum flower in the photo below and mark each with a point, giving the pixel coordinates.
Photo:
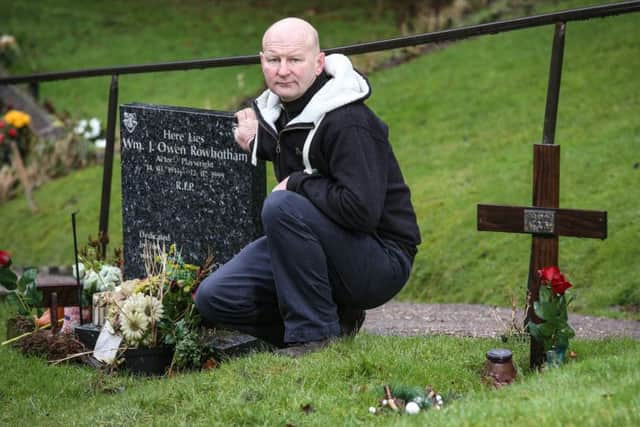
(94, 124)
(127, 287)
(153, 308)
(110, 276)
(135, 304)
(134, 326)
(81, 270)
(91, 280)
(79, 129)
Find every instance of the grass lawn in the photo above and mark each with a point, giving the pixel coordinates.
(599, 388)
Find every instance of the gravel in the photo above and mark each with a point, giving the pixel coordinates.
(475, 320)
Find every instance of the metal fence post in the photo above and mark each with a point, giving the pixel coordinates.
(103, 233)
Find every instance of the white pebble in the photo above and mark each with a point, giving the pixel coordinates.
(412, 408)
(372, 410)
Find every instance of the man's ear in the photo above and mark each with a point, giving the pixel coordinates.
(319, 63)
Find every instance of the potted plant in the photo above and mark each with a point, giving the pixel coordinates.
(554, 332)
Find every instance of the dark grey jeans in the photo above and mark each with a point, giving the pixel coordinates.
(287, 286)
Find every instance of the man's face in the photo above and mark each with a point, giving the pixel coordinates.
(290, 64)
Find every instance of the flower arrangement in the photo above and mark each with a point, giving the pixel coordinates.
(97, 271)
(135, 311)
(14, 128)
(554, 332)
(95, 277)
(91, 130)
(158, 310)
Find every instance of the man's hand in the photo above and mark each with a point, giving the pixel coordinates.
(282, 185)
(246, 129)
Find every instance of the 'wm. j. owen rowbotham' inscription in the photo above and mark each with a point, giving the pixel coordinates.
(185, 181)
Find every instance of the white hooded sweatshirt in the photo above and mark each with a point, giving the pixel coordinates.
(345, 87)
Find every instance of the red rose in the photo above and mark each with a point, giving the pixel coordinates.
(548, 273)
(2, 124)
(552, 276)
(5, 259)
(12, 132)
(559, 287)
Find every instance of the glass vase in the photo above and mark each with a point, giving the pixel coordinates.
(555, 356)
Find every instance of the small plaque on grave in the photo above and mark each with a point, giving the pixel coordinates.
(185, 181)
(539, 221)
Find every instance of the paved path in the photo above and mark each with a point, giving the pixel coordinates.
(474, 320)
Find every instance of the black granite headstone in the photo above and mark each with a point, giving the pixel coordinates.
(185, 181)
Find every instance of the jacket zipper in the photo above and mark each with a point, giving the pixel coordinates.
(278, 149)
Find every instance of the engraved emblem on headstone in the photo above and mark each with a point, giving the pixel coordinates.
(130, 121)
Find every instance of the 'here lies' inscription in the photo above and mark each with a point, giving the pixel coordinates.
(185, 181)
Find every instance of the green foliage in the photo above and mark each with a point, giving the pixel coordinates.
(25, 296)
(554, 331)
(8, 278)
(180, 326)
(189, 351)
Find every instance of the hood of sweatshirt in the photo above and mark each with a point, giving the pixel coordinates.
(345, 86)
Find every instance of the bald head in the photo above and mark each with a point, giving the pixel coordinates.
(291, 58)
(293, 30)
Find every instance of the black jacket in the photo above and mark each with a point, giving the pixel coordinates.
(351, 173)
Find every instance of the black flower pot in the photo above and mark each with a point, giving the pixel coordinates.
(88, 334)
(148, 361)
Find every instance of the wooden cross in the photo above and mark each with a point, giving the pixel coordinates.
(544, 221)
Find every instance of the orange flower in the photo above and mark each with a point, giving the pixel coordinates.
(17, 119)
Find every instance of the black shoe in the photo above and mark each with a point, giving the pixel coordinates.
(300, 349)
(351, 320)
